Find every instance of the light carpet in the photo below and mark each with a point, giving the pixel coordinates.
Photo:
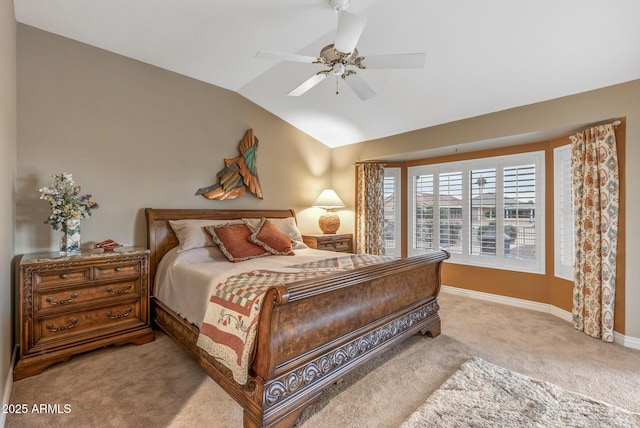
(482, 394)
(156, 385)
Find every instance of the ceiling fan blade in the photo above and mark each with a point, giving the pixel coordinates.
(412, 60)
(350, 28)
(286, 57)
(308, 84)
(360, 87)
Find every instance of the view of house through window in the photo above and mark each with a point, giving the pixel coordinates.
(485, 212)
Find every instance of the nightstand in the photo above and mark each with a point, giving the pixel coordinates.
(71, 304)
(342, 242)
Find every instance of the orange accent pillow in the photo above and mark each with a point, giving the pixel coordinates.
(233, 241)
(272, 238)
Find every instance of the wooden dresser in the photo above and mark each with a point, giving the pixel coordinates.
(332, 242)
(72, 304)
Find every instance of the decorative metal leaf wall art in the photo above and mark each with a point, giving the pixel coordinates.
(240, 174)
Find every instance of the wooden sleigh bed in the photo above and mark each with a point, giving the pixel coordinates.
(371, 309)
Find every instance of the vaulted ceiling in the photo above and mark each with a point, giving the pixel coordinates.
(481, 56)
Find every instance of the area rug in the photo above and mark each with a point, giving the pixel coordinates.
(482, 394)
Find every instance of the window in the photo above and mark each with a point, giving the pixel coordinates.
(423, 212)
(564, 235)
(519, 211)
(485, 212)
(392, 212)
(450, 211)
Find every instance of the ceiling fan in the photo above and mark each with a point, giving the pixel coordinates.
(342, 57)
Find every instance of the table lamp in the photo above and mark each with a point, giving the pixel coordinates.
(329, 222)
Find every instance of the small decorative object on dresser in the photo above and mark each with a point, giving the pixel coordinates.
(108, 245)
(71, 304)
(337, 242)
(68, 207)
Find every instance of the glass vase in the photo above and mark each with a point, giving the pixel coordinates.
(70, 240)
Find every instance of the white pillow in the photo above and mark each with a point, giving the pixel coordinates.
(287, 225)
(191, 233)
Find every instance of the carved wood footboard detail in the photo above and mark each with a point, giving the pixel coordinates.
(299, 387)
(333, 364)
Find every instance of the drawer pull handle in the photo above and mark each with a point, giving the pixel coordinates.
(63, 276)
(117, 269)
(53, 329)
(62, 302)
(115, 317)
(119, 292)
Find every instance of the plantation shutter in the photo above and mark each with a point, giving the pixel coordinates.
(563, 213)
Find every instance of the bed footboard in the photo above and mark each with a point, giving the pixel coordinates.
(322, 329)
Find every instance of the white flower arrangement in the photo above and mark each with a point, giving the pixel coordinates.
(66, 201)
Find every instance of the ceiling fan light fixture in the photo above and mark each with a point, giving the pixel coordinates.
(338, 69)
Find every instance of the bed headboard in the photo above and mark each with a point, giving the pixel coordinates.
(161, 238)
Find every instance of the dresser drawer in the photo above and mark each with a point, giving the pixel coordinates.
(335, 246)
(73, 296)
(342, 242)
(62, 277)
(72, 324)
(116, 271)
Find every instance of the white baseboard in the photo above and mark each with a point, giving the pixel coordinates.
(6, 395)
(629, 342)
(620, 339)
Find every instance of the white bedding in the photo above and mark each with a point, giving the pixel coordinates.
(185, 281)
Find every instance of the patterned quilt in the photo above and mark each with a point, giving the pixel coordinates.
(229, 329)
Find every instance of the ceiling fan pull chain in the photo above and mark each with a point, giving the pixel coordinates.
(337, 80)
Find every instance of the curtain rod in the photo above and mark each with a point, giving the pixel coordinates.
(364, 162)
(614, 123)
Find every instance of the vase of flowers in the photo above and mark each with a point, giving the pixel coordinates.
(68, 207)
(70, 239)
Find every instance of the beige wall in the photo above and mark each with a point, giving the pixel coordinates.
(8, 141)
(563, 113)
(137, 136)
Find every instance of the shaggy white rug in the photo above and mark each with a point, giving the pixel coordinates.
(482, 394)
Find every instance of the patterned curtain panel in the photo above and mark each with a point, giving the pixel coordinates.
(370, 208)
(594, 165)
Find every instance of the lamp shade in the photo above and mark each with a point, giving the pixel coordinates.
(328, 199)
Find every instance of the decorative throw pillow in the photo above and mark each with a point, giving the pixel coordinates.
(233, 241)
(191, 233)
(272, 238)
(286, 224)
